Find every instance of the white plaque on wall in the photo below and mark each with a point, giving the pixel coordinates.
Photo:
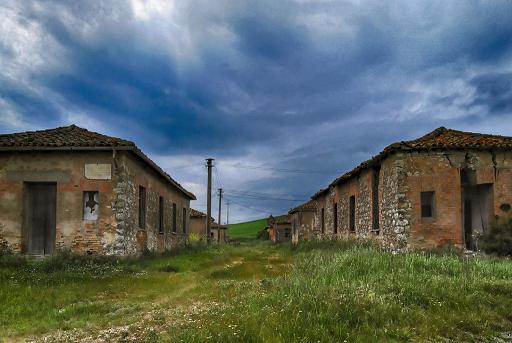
(98, 171)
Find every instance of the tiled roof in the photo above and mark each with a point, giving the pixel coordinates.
(216, 226)
(439, 139)
(307, 206)
(76, 138)
(68, 136)
(196, 214)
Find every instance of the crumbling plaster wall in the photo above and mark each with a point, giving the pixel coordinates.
(303, 224)
(67, 170)
(440, 171)
(116, 229)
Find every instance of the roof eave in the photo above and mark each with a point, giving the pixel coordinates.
(134, 149)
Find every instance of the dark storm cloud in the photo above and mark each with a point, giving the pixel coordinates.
(494, 91)
(305, 85)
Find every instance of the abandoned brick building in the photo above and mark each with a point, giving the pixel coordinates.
(72, 189)
(197, 224)
(302, 220)
(444, 188)
(198, 227)
(279, 229)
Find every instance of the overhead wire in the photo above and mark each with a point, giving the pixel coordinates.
(284, 170)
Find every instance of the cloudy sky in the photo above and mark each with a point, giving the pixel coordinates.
(285, 95)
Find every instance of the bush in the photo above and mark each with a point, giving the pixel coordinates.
(12, 261)
(263, 234)
(194, 237)
(498, 239)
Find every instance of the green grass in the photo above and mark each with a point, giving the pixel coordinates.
(258, 292)
(247, 230)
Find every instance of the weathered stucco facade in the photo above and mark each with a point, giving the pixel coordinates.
(115, 226)
(198, 223)
(445, 188)
(302, 220)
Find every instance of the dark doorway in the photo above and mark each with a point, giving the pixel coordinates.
(40, 212)
(352, 213)
(468, 225)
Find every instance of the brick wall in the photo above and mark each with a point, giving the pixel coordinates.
(116, 229)
(402, 178)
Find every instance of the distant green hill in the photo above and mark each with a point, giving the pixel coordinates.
(247, 230)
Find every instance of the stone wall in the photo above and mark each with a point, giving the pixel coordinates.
(134, 173)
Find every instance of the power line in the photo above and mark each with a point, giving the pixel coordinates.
(187, 166)
(264, 198)
(283, 170)
(245, 192)
(248, 207)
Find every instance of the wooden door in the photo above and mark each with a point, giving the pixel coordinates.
(40, 212)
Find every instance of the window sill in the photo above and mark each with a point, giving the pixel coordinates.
(428, 220)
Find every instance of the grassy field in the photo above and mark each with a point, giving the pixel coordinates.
(247, 230)
(257, 292)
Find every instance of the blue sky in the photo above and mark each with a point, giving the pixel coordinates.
(286, 95)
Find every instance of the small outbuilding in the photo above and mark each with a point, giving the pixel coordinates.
(279, 229)
(302, 219)
(72, 189)
(219, 233)
(198, 223)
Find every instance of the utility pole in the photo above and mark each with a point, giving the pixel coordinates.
(220, 212)
(209, 200)
(227, 204)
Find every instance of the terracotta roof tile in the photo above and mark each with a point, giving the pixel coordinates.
(440, 138)
(196, 214)
(307, 206)
(68, 136)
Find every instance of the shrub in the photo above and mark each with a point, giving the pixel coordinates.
(263, 234)
(194, 237)
(498, 239)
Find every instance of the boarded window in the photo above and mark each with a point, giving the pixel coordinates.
(335, 217)
(174, 218)
(142, 207)
(352, 212)
(91, 205)
(184, 220)
(161, 215)
(322, 219)
(427, 204)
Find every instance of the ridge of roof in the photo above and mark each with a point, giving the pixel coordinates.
(440, 138)
(307, 206)
(196, 213)
(73, 137)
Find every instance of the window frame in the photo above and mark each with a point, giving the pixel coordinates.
(174, 221)
(352, 213)
(142, 207)
(184, 229)
(431, 204)
(94, 192)
(161, 209)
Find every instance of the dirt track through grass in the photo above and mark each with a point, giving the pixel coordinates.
(257, 292)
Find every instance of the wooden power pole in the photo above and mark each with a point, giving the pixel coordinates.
(209, 165)
(220, 212)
